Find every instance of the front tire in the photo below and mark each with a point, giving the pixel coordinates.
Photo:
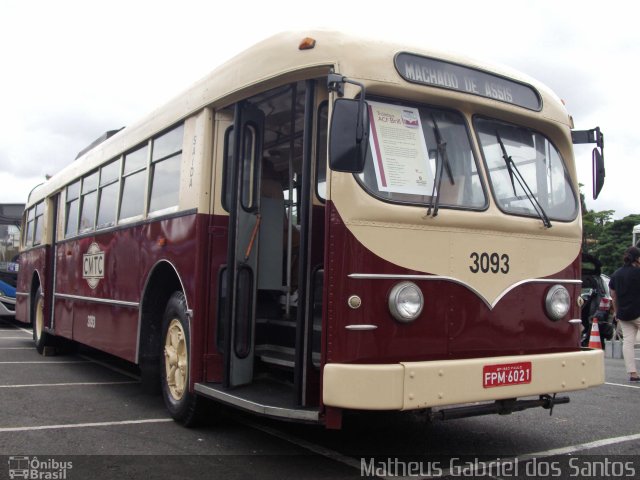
(182, 404)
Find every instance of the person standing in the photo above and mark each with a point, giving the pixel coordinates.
(625, 293)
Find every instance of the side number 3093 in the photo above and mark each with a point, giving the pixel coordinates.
(489, 262)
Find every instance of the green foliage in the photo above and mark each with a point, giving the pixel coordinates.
(604, 238)
(607, 240)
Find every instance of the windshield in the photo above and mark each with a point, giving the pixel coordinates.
(539, 163)
(409, 145)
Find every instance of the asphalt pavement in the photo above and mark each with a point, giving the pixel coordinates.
(84, 414)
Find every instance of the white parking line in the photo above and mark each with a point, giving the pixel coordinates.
(47, 362)
(16, 348)
(622, 385)
(357, 463)
(79, 384)
(581, 446)
(312, 447)
(85, 425)
(110, 367)
(13, 327)
(13, 338)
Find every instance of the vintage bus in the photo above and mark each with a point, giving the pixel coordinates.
(636, 235)
(325, 224)
(10, 218)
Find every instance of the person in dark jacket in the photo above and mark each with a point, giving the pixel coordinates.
(625, 293)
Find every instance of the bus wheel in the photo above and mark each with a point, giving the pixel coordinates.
(41, 338)
(181, 403)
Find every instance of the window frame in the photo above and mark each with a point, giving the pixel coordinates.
(567, 177)
(125, 175)
(103, 185)
(156, 161)
(479, 165)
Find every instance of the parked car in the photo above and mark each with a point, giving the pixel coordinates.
(597, 300)
(7, 299)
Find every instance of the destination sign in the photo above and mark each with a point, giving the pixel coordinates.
(437, 73)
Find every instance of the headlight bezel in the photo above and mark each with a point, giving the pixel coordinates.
(557, 307)
(401, 291)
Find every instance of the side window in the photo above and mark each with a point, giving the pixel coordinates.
(28, 238)
(39, 223)
(227, 171)
(89, 201)
(321, 152)
(165, 170)
(72, 204)
(134, 179)
(249, 174)
(108, 194)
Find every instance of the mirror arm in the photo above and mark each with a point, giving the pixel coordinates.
(588, 136)
(335, 83)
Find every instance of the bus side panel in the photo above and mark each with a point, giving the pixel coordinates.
(217, 258)
(33, 266)
(126, 257)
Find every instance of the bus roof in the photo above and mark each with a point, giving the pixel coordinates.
(261, 66)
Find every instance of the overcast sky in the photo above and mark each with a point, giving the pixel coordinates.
(73, 69)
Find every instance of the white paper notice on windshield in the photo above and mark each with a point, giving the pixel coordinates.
(399, 149)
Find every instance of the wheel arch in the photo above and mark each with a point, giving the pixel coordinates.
(36, 282)
(163, 279)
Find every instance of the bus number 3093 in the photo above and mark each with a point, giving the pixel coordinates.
(489, 262)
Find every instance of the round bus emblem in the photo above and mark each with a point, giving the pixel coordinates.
(93, 265)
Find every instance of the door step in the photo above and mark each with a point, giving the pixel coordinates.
(263, 397)
(276, 355)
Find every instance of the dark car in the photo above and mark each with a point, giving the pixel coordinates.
(597, 300)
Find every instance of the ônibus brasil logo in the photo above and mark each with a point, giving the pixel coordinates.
(93, 265)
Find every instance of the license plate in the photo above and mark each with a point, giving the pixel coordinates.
(506, 374)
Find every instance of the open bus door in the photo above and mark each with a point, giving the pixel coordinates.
(244, 224)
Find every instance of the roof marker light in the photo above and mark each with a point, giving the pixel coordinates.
(307, 43)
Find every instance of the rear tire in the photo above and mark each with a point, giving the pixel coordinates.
(183, 405)
(41, 339)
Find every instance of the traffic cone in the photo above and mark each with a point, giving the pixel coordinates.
(594, 339)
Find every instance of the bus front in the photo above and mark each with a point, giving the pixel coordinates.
(452, 273)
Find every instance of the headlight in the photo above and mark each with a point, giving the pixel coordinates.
(557, 302)
(405, 302)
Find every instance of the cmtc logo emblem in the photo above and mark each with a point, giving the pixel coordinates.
(93, 265)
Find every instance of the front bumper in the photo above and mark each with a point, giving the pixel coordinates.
(7, 307)
(414, 385)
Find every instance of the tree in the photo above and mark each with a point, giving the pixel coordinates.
(613, 240)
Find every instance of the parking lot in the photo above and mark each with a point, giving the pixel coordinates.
(82, 415)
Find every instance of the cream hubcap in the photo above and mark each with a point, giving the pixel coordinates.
(175, 359)
(39, 318)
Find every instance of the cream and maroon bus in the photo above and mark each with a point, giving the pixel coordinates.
(322, 224)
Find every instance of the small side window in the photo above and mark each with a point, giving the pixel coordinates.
(250, 165)
(89, 202)
(321, 152)
(165, 173)
(28, 238)
(39, 224)
(72, 209)
(227, 170)
(134, 181)
(108, 194)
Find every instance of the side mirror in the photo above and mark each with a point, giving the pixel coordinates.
(349, 135)
(597, 157)
(597, 162)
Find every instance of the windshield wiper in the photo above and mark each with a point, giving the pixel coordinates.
(444, 163)
(514, 173)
